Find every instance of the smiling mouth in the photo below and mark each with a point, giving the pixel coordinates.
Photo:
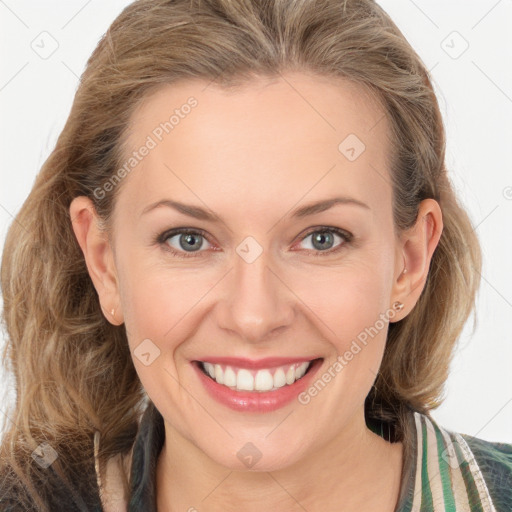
(264, 379)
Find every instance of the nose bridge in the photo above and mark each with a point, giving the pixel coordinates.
(257, 302)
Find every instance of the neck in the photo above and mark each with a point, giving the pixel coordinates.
(357, 468)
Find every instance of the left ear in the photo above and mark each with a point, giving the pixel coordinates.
(415, 251)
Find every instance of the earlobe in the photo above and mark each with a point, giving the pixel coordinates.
(98, 256)
(416, 249)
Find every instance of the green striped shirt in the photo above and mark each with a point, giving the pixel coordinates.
(449, 472)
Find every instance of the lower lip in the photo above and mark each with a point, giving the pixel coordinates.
(257, 401)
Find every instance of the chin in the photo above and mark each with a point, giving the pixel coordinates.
(255, 458)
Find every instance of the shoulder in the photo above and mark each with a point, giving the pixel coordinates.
(495, 462)
(462, 471)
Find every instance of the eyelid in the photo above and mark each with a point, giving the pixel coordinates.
(161, 239)
(345, 235)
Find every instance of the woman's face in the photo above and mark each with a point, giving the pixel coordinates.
(262, 272)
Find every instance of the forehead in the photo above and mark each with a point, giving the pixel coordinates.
(297, 134)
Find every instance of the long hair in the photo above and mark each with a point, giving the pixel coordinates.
(72, 369)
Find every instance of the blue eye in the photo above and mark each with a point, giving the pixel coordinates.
(323, 239)
(188, 242)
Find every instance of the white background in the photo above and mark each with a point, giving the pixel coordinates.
(475, 92)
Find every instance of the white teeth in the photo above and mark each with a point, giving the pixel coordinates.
(261, 380)
(290, 375)
(229, 377)
(210, 369)
(279, 378)
(219, 377)
(244, 380)
(301, 370)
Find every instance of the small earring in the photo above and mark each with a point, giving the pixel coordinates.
(398, 306)
(404, 271)
(112, 312)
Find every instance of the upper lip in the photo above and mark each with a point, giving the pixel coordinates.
(266, 362)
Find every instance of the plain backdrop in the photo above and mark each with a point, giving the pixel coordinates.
(44, 46)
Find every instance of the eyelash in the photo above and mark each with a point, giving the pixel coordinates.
(162, 240)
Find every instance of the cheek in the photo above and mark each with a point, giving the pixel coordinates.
(352, 305)
(348, 298)
(354, 318)
(161, 308)
(160, 302)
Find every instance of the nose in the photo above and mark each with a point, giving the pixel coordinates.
(257, 303)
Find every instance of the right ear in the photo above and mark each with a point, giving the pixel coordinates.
(99, 256)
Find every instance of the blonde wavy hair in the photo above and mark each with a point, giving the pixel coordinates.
(72, 369)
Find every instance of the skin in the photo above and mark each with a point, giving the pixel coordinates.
(252, 156)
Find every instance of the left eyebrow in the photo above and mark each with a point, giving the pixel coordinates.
(200, 213)
(187, 209)
(326, 204)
